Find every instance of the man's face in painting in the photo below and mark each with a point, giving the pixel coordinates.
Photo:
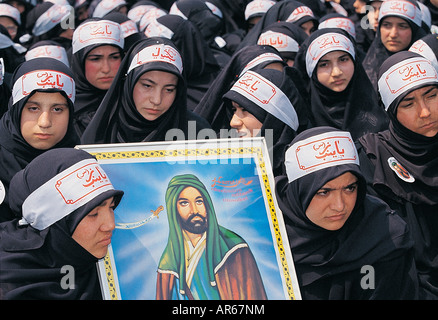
(192, 211)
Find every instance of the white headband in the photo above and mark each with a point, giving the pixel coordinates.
(64, 193)
(338, 22)
(52, 17)
(2, 72)
(299, 13)
(43, 80)
(11, 12)
(156, 29)
(400, 8)
(129, 27)
(257, 7)
(265, 57)
(324, 44)
(404, 76)
(267, 96)
(319, 152)
(149, 17)
(48, 51)
(159, 52)
(136, 13)
(278, 40)
(106, 6)
(422, 48)
(97, 32)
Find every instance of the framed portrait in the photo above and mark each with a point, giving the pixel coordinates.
(198, 220)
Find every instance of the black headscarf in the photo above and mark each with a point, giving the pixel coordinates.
(281, 11)
(117, 119)
(200, 65)
(377, 53)
(417, 153)
(282, 133)
(211, 105)
(371, 234)
(356, 109)
(428, 48)
(15, 152)
(88, 97)
(31, 260)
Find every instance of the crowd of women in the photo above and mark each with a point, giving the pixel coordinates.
(357, 78)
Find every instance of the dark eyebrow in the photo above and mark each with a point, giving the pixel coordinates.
(153, 82)
(348, 186)
(424, 94)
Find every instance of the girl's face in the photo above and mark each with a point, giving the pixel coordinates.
(395, 33)
(244, 122)
(154, 93)
(101, 66)
(95, 230)
(333, 204)
(335, 70)
(44, 119)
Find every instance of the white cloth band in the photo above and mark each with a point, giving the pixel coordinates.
(48, 51)
(7, 10)
(129, 27)
(106, 6)
(64, 193)
(267, 96)
(43, 80)
(157, 53)
(2, 71)
(338, 22)
(49, 19)
(265, 57)
(324, 44)
(149, 17)
(402, 9)
(280, 41)
(299, 13)
(216, 11)
(404, 76)
(423, 49)
(156, 29)
(258, 7)
(319, 152)
(97, 32)
(136, 13)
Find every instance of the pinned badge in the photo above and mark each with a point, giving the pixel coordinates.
(399, 170)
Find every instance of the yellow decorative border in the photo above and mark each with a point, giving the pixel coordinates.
(205, 152)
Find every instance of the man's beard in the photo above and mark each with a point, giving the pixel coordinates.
(196, 227)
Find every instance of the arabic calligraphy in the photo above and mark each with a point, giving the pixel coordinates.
(412, 71)
(92, 176)
(327, 150)
(46, 77)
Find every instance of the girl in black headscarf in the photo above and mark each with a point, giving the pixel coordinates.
(346, 244)
(45, 75)
(377, 53)
(290, 11)
(352, 105)
(50, 21)
(200, 65)
(51, 240)
(120, 119)
(401, 163)
(270, 97)
(86, 39)
(254, 57)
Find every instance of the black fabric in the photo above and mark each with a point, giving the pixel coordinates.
(31, 260)
(328, 263)
(15, 152)
(356, 109)
(211, 106)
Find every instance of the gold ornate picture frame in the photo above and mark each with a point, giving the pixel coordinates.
(244, 251)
